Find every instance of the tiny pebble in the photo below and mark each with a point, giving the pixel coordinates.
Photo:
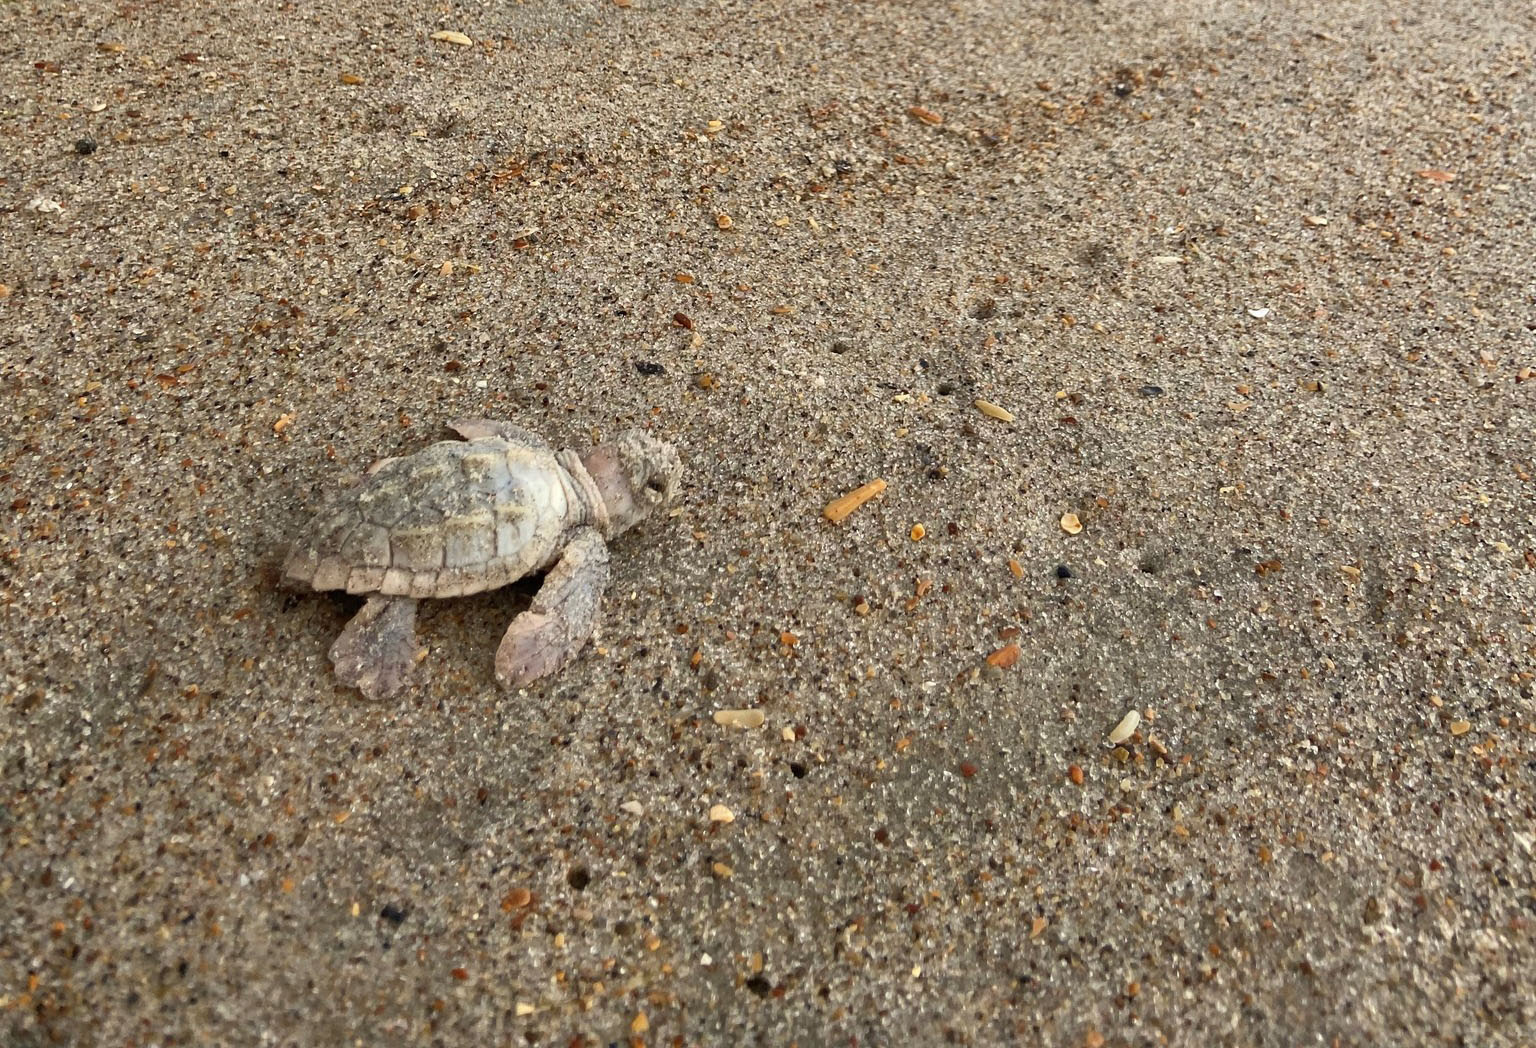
(918, 531)
(448, 36)
(1063, 572)
(720, 813)
(634, 808)
(1460, 727)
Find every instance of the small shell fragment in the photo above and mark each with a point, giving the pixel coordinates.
(1460, 727)
(838, 509)
(449, 36)
(1126, 728)
(634, 808)
(720, 813)
(991, 410)
(748, 718)
(918, 531)
(1070, 524)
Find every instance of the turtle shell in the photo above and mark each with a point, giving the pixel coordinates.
(455, 518)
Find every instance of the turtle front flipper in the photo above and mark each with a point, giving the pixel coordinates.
(562, 617)
(377, 651)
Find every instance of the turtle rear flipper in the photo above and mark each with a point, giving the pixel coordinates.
(379, 647)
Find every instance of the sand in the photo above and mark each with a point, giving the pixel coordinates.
(1254, 283)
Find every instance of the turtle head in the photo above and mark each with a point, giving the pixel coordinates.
(637, 476)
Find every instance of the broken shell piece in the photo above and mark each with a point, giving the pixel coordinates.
(748, 718)
(838, 509)
(1126, 728)
(991, 410)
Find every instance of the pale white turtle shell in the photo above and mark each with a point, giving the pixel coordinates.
(455, 518)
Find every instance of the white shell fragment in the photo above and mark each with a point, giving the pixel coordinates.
(1126, 728)
(991, 410)
(749, 718)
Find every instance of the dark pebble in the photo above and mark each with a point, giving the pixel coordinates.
(578, 878)
(840, 347)
(1063, 572)
(393, 914)
(85, 146)
(760, 986)
(1151, 391)
(650, 367)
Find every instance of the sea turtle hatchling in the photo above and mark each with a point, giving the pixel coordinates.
(460, 517)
